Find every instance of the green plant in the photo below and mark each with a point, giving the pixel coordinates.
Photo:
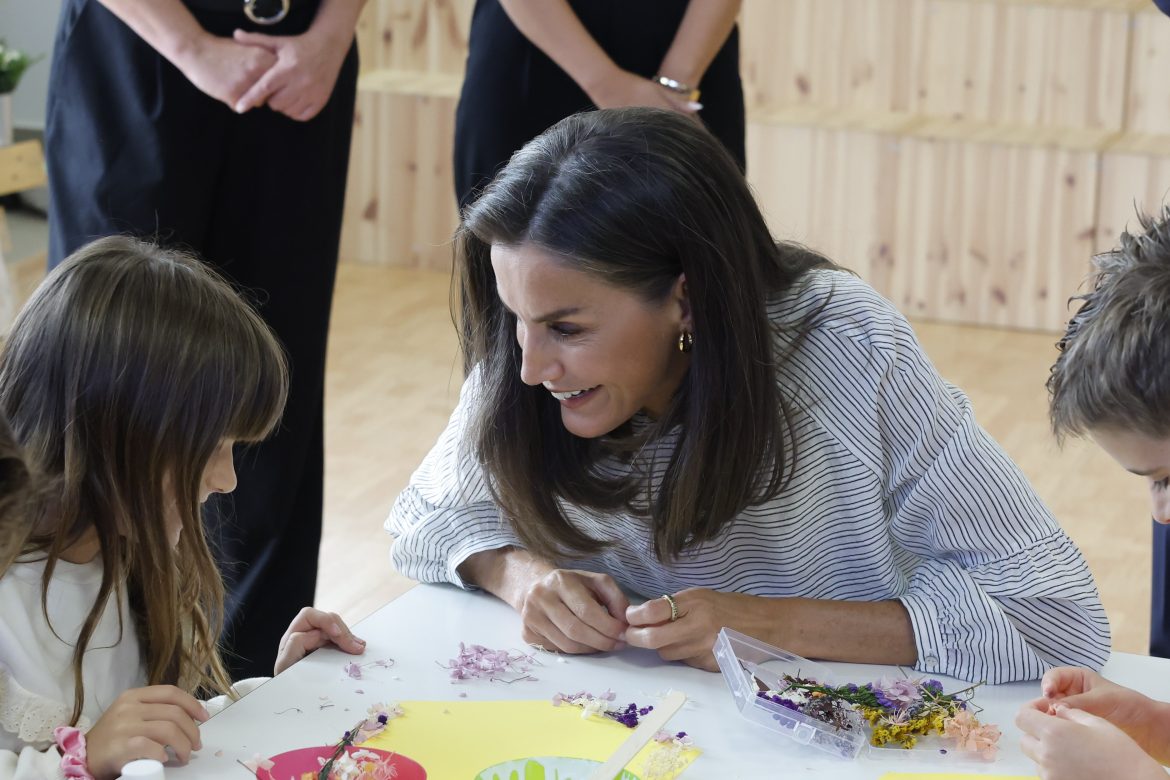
(13, 64)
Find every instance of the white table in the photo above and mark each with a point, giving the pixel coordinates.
(427, 624)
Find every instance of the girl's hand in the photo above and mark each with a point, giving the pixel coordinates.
(302, 80)
(574, 612)
(223, 68)
(143, 723)
(311, 629)
(1144, 720)
(1074, 745)
(691, 637)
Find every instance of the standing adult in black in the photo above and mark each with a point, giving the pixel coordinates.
(224, 126)
(531, 63)
(1160, 570)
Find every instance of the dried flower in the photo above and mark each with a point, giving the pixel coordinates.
(479, 662)
(354, 669)
(669, 758)
(971, 735)
(342, 765)
(601, 705)
(898, 711)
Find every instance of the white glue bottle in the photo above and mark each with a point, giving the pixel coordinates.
(143, 769)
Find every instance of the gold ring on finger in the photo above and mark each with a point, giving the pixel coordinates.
(673, 606)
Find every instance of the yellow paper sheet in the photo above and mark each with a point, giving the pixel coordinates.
(951, 776)
(455, 740)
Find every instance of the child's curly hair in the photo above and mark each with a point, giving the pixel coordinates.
(1113, 371)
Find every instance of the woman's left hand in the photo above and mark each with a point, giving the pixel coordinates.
(690, 638)
(302, 80)
(311, 629)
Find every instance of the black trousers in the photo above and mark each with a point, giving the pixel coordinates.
(512, 92)
(132, 147)
(1160, 586)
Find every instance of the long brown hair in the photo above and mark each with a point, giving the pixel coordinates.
(1114, 365)
(124, 372)
(17, 492)
(634, 197)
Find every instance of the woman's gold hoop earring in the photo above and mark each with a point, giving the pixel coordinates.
(686, 340)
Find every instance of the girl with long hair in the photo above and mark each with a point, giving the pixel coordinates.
(128, 378)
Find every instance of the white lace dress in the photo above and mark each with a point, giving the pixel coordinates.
(36, 662)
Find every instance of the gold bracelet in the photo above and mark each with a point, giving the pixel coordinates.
(678, 87)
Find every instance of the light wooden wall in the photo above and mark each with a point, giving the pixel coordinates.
(966, 157)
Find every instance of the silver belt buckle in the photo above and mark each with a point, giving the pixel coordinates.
(251, 12)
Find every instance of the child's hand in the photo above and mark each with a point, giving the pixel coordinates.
(313, 628)
(142, 723)
(1146, 721)
(1074, 745)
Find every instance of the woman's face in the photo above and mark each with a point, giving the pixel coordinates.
(601, 351)
(1145, 456)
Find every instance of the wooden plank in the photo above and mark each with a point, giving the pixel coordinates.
(829, 53)
(359, 242)
(420, 36)
(1023, 64)
(22, 167)
(450, 22)
(435, 212)
(1129, 182)
(1148, 100)
(956, 230)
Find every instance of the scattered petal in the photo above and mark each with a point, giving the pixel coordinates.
(257, 762)
(481, 663)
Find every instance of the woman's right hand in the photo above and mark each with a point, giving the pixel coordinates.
(224, 68)
(574, 612)
(1145, 721)
(142, 723)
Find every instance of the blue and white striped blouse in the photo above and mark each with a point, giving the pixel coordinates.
(897, 493)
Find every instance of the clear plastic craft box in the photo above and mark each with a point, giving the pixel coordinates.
(744, 660)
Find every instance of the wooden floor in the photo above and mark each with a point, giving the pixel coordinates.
(393, 379)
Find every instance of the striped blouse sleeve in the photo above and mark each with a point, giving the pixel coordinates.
(446, 514)
(997, 591)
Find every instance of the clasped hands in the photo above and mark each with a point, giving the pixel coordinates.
(584, 612)
(293, 74)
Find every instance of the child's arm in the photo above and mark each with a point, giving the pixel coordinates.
(141, 723)
(311, 629)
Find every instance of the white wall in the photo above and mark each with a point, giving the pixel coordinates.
(29, 25)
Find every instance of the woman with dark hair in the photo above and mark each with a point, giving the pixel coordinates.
(662, 399)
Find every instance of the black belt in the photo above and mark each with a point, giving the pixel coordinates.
(259, 11)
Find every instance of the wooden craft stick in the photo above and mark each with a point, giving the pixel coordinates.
(647, 728)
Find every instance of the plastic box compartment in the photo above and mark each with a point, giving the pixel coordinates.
(741, 658)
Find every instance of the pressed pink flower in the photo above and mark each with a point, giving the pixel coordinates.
(970, 735)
